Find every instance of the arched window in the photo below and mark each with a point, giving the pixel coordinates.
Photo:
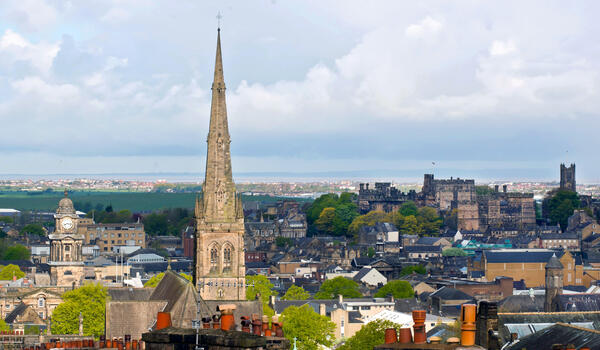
(214, 258)
(227, 259)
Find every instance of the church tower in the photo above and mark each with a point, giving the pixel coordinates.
(219, 260)
(567, 177)
(554, 282)
(66, 259)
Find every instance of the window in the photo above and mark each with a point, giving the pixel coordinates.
(227, 258)
(214, 258)
(41, 302)
(127, 235)
(41, 315)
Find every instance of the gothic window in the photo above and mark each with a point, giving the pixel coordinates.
(227, 259)
(41, 302)
(214, 259)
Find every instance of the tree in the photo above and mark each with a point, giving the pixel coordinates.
(4, 326)
(368, 219)
(9, 271)
(410, 226)
(153, 282)
(430, 221)
(6, 219)
(559, 206)
(281, 241)
(398, 289)
(409, 208)
(369, 336)
(259, 287)
(371, 252)
(16, 252)
(343, 286)
(295, 293)
(311, 330)
(89, 301)
(453, 252)
(33, 229)
(156, 224)
(326, 223)
(420, 269)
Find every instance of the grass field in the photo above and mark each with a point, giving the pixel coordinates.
(134, 201)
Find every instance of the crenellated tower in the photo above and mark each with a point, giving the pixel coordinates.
(219, 262)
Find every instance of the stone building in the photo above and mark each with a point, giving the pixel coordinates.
(506, 210)
(383, 197)
(567, 177)
(554, 281)
(220, 271)
(66, 259)
(107, 236)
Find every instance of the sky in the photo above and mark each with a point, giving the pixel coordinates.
(482, 89)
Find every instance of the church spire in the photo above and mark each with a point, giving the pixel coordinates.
(219, 196)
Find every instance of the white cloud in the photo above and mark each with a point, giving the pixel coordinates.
(500, 48)
(427, 26)
(15, 48)
(116, 14)
(33, 15)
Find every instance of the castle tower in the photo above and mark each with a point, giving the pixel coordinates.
(567, 177)
(219, 260)
(554, 281)
(66, 259)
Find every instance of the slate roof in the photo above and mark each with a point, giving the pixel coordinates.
(520, 255)
(427, 240)
(170, 288)
(130, 294)
(16, 312)
(522, 303)
(423, 249)
(559, 333)
(579, 302)
(554, 263)
(362, 273)
(360, 262)
(447, 293)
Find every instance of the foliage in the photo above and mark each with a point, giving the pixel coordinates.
(368, 219)
(167, 222)
(331, 214)
(32, 329)
(483, 190)
(560, 205)
(259, 287)
(33, 229)
(411, 220)
(109, 216)
(9, 271)
(453, 252)
(343, 286)
(420, 269)
(16, 252)
(155, 280)
(311, 330)
(281, 241)
(90, 301)
(450, 219)
(295, 293)
(398, 289)
(3, 325)
(6, 219)
(369, 336)
(371, 252)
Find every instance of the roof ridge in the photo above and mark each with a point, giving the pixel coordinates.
(577, 327)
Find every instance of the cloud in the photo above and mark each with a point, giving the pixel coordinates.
(32, 15)
(14, 48)
(427, 26)
(500, 48)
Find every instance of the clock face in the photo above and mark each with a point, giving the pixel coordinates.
(67, 224)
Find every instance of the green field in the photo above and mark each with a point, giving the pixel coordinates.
(134, 201)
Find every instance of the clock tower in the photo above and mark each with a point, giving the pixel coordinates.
(66, 261)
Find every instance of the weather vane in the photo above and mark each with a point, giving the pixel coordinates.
(219, 16)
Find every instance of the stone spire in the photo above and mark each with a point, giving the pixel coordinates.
(219, 201)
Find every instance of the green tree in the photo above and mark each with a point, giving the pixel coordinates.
(16, 252)
(343, 286)
(420, 269)
(311, 330)
(369, 219)
(154, 280)
(156, 224)
(429, 221)
(410, 226)
(453, 252)
(281, 241)
(260, 287)
(371, 252)
(9, 271)
(326, 223)
(559, 206)
(409, 208)
(295, 293)
(398, 289)
(369, 336)
(6, 219)
(33, 229)
(89, 301)
(4, 326)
